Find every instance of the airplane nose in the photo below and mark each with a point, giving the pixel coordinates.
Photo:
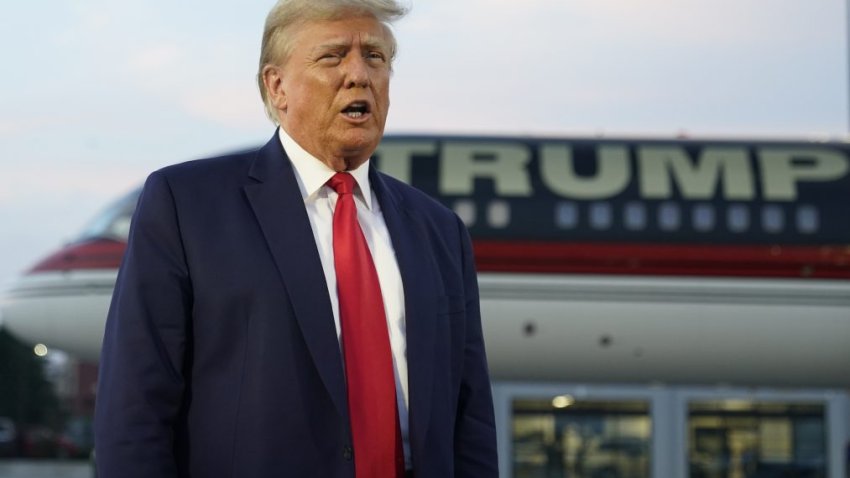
(63, 300)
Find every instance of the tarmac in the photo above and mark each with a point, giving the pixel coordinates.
(45, 469)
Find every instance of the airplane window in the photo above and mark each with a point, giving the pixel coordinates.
(499, 214)
(634, 216)
(114, 221)
(465, 209)
(808, 221)
(600, 215)
(566, 215)
(669, 216)
(772, 219)
(121, 227)
(703, 217)
(738, 218)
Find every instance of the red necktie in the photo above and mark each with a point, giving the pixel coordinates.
(365, 343)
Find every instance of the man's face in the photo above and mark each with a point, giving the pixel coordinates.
(332, 93)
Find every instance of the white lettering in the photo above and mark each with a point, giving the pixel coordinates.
(504, 163)
(395, 158)
(558, 172)
(728, 167)
(782, 169)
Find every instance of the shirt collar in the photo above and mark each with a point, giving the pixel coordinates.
(312, 174)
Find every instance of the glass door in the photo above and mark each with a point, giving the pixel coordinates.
(732, 438)
(560, 437)
(596, 431)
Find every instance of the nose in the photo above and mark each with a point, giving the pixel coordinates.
(357, 72)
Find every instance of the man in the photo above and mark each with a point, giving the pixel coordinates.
(291, 312)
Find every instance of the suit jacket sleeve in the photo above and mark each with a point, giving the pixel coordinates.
(141, 378)
(475, 429)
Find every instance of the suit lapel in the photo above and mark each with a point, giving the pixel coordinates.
(279, 208)
(417, 274)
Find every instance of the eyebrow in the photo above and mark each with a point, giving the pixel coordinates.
(370, 42)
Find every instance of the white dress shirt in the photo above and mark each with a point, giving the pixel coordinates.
(320, 200)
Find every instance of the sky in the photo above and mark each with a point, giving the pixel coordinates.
(95, 94)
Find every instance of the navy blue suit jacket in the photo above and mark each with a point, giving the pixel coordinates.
(221, 358)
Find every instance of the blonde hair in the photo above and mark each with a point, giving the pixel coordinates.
(288, 14)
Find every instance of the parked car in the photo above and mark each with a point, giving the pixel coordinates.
(77, 440)
(39, 441)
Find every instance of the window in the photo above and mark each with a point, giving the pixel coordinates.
(114, 222)
(600, 215)
(808, 221)
(566, 215)
(669, 216)
(741, 438)
(634, 216)
(498, 214)
(738, 218)
(465, 209)
(772, 219)
(560, 437)
(703, 217)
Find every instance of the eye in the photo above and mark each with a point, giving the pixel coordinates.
(330, 58)
(376, 57)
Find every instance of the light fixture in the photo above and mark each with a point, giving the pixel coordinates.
(40, 350)
(563, 401)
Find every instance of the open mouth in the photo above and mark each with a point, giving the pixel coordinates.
(356, 110)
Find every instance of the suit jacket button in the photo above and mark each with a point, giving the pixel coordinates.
(347, 453)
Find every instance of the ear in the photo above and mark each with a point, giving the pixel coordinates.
(273, 80)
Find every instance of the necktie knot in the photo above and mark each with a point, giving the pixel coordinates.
(342, 183)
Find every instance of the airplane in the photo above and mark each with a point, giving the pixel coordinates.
(620, 254)
(650, 262)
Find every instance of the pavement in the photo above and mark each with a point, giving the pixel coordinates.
(45, 469)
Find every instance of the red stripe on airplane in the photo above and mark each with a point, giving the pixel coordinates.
(91, 254)
(826, 262)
